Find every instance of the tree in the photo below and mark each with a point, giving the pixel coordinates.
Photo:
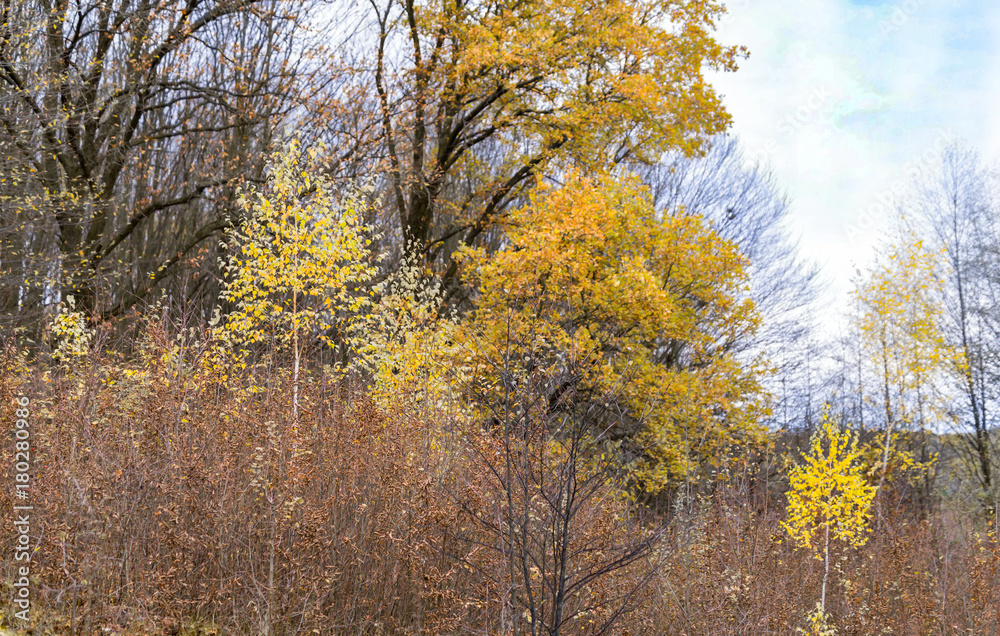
(127, 125)
(300, 268)
(960, 220)
(745, 205)
(590, 269)
(829, 497)
(901, 342)
(569, 553)
(477, 100)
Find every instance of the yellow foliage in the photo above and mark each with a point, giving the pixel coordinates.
(900, 323)
(897, 460)
(600, 75)
(405, 346)
(300, 263)
(543, 84)
(643, 308)
(816, 623)
(70, 331)
(830, 494)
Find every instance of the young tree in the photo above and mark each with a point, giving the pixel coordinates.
(568, 551)
(901, 341)
(300, 267)
(829, 498)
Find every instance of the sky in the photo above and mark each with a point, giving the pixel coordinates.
(846, 99)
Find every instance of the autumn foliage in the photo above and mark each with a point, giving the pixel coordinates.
(592, 277)
(579, 452)
(376, 319)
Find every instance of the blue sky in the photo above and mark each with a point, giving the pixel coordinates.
(846, 99)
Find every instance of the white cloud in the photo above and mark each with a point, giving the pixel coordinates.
(842, 98)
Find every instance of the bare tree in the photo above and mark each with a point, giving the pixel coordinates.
(561, 542)
(960, 215)
(126, 125)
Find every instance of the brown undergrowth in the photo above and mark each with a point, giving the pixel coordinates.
(166, 503)
(163, 501)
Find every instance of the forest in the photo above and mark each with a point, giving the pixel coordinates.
(466, 317)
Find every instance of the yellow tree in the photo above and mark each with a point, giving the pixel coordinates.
(640, 307)
(300, 268)
(487, 95)
(405, 347)
(300, 264)
(829, 498)
(899, 322)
